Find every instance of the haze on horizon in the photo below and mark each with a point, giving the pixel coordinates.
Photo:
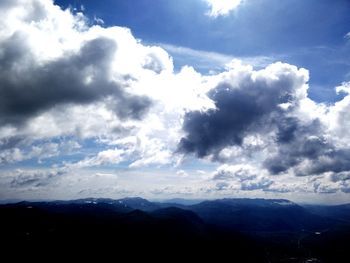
(197, 99)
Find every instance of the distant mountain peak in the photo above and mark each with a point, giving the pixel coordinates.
(135, 199)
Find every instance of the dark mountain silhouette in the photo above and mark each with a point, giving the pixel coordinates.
(139, 203)
(245, 230)
(259, 215)
(339, 212)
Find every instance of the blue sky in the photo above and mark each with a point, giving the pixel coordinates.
(165, 98)
(309, 34)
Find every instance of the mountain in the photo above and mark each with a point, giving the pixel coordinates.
(259, 215)
(339, 212)
(139, 203)
(245, 230)
(182, 201)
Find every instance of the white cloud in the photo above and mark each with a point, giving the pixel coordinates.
(114, 87)
(222, 7)
(101, 84)
(40, 151)
(11, 156)
(241, 177)
(98, 21)
(107, 157)
(182, 173)
(213, 62)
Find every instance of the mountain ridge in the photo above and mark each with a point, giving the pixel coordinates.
(256, 230)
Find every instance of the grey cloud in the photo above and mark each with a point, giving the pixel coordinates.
(286, 129)
(263, 183)
(344, 179)
(6, 4)
(346, 189)
(28, 88)
(10, 156)
(153, 63)
(241, 174)
(335, 160)
(332, 183)
(324, 188)
(251, 107)
(248, 106)
(343, 176)
(11, 142)
(296, 144)
(245, 177)
(281, 189)
(129, 106)
(307, 143)
(220, 186)
(34, 178)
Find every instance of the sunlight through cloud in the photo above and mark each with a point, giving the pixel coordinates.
(222, 7)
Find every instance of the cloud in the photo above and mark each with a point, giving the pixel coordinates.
(235, 172)
(242, 177)
(107, 157)
(60, 76)
(81, 73)
(182, 173)
(266, 115)
(318, 147)
(26, 150)
(11, 155)
(212, 62)
(98, 21)
(89, 97)
(331, 182)
(222, 7)
(297, 143)
(35, 179)
(246, 102)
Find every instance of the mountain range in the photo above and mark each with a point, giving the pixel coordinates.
(252, 230)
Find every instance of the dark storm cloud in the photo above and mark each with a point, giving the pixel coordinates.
(261, 106)
(130, 106)
(335, 160)
(307, 143)
(296, 143)
(28, 88)
(211, 131)
(240, 111)
(286, 129)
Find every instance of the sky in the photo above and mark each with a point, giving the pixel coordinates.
(195, 99)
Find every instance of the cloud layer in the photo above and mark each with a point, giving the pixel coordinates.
(75, 96)
(46, 61)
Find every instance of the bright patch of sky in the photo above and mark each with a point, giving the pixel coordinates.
(222, 7)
